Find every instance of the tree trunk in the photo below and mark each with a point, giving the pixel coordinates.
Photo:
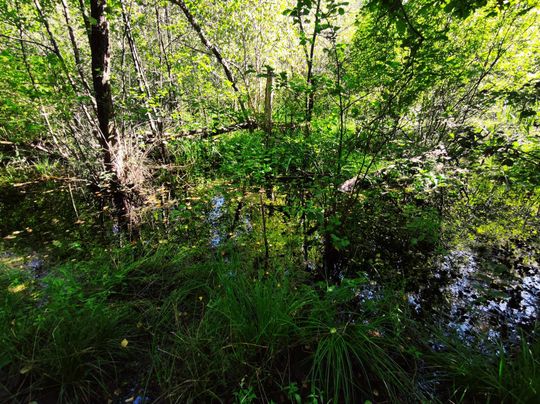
(309, 76)
(268, 98)
(101, 72)
(144, 88)
(101, 75)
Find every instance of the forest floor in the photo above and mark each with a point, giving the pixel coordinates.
(194, 313)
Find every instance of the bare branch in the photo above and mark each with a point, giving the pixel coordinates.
(212, 48)
(41, 45)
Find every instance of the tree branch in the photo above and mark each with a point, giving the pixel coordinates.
(204, 133)
(212, 48)
(28, 41)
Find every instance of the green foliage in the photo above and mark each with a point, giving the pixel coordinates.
(225, 326)
(503, 376)
(60, 335)
(400, 129)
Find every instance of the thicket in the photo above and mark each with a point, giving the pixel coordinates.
(233, 201)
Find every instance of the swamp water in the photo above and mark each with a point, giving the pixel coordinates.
(474, 294)
(482, 295)
(470, 292)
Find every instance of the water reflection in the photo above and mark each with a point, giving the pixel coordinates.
(478, 300)
(214, 217)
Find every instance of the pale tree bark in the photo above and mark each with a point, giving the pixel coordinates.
(75, 48)
(163, 53)
(162, 35)
(144, 88)
(68, 150)
(56, 50)
(87, 24)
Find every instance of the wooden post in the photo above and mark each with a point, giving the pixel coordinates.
(268, 98)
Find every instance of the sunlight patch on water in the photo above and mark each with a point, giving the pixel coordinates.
(479, 301)
(214, 217)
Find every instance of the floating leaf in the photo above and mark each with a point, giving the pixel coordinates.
(25, 369)
(17, 289)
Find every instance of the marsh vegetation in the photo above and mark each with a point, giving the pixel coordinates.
(304, 201)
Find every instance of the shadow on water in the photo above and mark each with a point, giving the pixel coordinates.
(214, 217)
(50, 217)
(475, 293)
(220, 226)
(484, 295)
(470, 292)
(34, 213)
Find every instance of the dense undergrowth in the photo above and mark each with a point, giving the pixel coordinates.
(277, 201)
(185, 324)
(195, 312)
